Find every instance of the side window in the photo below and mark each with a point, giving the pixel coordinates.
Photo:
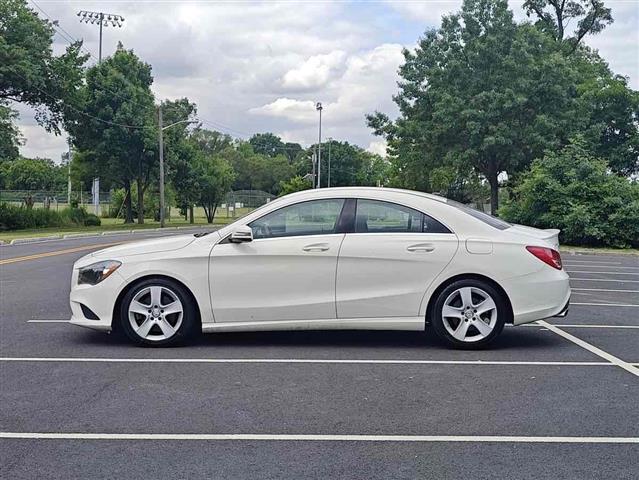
(374, 216)
(307, 218)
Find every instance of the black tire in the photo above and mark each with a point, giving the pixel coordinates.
(479, 287)
(188, 321)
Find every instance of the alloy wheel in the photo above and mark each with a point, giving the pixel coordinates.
(155, 313)
(469, 314)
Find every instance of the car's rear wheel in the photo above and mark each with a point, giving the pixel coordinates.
(469, 314)
(158, 312)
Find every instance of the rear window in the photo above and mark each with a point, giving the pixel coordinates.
(484, 217)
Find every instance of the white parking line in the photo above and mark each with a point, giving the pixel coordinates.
(605, 273)
(314, 438)
(297, 360)
(602, 290)
(589, 262)
(573, 325)
(47, 321)
(604, 280)
(591, 348)
(605, 304)
(598, 266)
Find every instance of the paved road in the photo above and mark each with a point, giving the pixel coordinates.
(59, 379)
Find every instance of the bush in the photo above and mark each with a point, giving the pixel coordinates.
(576, 192)
(18, 218)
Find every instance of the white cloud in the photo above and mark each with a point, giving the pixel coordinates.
(296, 110)
(261, 66)
(378, 147)
(315, 72)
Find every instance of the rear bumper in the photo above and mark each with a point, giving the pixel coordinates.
(564, 311)
(539, 295)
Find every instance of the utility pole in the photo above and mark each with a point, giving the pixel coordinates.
(330, 140)
(69, 174)
(161, 129)
(313, 177)
(319, 108)
(102, 19)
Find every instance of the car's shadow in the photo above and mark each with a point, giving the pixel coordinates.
(511, 338)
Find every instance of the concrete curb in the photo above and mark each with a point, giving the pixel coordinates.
(19, 241)
(116, 232)
(81, 235)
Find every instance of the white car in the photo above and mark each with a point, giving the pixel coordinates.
(332, 258)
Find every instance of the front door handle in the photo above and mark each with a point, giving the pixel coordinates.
(316, 247)
(421, 247)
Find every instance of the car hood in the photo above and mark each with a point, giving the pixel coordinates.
(153, 245)
(551, 235)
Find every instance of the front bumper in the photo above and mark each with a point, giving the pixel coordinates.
(98, 300)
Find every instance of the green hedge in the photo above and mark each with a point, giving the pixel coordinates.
(18, 218)
(577, 193)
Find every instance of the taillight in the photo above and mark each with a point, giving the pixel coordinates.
(546, 255)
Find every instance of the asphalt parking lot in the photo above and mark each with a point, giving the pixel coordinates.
(548, 400)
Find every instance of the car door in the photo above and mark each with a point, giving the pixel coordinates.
(388, 262)
(287, 272)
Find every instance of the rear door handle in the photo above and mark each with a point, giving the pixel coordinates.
(316, 247)
(421, 247)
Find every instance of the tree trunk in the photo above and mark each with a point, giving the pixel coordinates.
(213, 216)
(128, 217)
(140, 201)
(494, 192)
(191, 213)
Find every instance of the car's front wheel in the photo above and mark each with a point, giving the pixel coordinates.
(158, 312)
(469, 314)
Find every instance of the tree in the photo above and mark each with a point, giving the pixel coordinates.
(271, 145)
(267, 144)
(609, 110)
(215, 177)
(295, 184)
(574, 190)
(346, 161)
(554, 16)
(479, 92)
(33, 174)
(117, 127)
(29, 72)
(10, 137)
(211, 142)
(180, 152)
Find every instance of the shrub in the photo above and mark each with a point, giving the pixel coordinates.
(576, 192)
(16, 218)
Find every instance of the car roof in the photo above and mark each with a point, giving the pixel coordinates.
(353, 191)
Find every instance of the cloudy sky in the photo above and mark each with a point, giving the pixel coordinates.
(261, 66)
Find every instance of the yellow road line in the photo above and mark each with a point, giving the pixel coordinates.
(35, 256)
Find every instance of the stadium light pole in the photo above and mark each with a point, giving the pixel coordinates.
(319, 108)
(103, 20)
(161, 141)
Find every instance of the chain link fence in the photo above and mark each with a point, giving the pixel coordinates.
(235, 204)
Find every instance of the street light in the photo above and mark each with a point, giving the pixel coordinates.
(319, 108)
(161, 138)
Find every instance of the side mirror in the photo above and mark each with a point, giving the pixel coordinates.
(241, 234)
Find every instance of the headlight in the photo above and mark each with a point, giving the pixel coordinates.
(95, 273)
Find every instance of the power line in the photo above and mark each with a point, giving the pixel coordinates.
(70, 107)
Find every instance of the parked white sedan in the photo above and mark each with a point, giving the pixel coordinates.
(335, 258)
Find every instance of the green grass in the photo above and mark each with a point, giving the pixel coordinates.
(599, 250)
